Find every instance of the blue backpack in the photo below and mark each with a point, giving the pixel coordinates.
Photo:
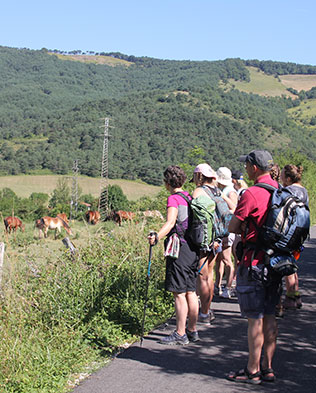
(285, 229)
(222, 214)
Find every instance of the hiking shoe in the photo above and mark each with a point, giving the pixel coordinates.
(226, 293)
(218, 290)
(212, 316)
(233, 292)
(290, 303)
(279, 313)
(192, 336)
(204, 318)
(299, 303)
(175, 339)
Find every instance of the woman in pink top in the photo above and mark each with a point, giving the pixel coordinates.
(181, 269)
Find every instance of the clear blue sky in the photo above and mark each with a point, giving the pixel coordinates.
(280, 30)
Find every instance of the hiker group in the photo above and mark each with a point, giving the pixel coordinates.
(263, 227)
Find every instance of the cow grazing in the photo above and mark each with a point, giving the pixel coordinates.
(39, 224)
(63, 216)
(120, 215)
(153, 214)
(55, 223)
(12, 224)
(93, 217)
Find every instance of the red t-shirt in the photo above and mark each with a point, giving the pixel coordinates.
(254, 203)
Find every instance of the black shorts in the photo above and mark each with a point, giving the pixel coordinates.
(181, 273)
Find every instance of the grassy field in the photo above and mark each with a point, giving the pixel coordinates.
(304, 113)
(24, 185)
(262, 84)
(106, 60)
(269, 86)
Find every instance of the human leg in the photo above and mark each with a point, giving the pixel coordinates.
(205, 283)
(270, 331)
(229, 270)
(293, 297)
(193, 310)
(219, 270)
(181, 307)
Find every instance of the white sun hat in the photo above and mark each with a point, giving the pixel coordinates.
(224, 176)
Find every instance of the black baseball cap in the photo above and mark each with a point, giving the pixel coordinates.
(261, 158)
(237, 175)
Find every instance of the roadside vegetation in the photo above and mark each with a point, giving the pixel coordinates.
(64, 315)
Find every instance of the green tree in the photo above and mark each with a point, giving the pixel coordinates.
(60, 200)
(117, 199)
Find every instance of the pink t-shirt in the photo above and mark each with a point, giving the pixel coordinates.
(181, 204)
(175, 200)
(254, 203)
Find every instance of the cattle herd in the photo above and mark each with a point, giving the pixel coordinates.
(12, 223)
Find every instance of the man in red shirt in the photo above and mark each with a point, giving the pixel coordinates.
(257, 301)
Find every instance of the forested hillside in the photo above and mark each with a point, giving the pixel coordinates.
(51, 110)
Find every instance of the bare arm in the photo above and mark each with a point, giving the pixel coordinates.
(231, 200)
(172, 214)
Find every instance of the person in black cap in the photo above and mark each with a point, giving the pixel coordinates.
(257, 302)
(239, 183)
(262, 159)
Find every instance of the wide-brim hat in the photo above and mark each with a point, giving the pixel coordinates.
(224, 176)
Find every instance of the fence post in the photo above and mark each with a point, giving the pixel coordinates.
(1, 259)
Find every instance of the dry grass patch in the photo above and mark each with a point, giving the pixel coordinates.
(299, 82)
(24, 185)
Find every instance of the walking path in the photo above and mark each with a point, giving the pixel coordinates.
(202, 367)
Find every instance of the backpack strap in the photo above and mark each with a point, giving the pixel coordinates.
(211, 191)
(184, 197)
(267, 186)
(182, 234)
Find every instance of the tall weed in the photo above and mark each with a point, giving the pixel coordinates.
(69, 311)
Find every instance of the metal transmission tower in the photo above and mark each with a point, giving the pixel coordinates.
(74, 189)
(104, 184)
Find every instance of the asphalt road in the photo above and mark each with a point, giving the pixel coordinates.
(203, 366)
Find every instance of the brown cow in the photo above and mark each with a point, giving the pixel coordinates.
(121, 215)
(93, 217)
(39, 224)
(13, 223)
(56, 223)
(63, 216)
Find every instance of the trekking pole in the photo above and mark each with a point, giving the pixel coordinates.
(147, 286)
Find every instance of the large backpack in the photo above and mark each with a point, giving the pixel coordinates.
(285, 229)
(200, 229)
(222, 214)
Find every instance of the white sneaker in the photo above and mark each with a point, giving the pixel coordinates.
(218, 291)
(226, 293)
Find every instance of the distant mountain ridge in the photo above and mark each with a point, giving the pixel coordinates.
(51, 112)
